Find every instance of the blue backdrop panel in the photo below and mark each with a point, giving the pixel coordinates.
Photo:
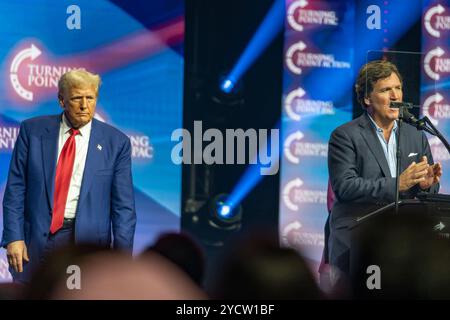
(317, 97)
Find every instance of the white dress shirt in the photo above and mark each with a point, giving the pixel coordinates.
(81, 149)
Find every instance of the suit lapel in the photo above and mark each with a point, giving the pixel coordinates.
(49, 142)
(94, 159)
(369, 135)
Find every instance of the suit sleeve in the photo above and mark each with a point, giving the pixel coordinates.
(346, 180)
(15, 191)
(123, 211)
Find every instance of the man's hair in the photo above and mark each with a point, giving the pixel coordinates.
(369, 74)
(77, 78)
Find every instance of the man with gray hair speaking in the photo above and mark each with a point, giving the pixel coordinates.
(362, 159)
(69, 181)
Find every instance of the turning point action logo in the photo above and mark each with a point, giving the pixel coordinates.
(297, 57)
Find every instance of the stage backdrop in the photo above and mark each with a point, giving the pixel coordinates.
(435, 84)
(139, 56)
(326, 43)
(318, 55)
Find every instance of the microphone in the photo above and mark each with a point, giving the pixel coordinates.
(397, 105)
(408, 117)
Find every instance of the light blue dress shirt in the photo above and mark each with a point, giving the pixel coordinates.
(389, 147)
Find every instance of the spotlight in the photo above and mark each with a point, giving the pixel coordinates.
(213, 221)
(224, 210)
(225, 215)
(227, 91)
(227, 86)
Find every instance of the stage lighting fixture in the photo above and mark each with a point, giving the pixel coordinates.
(224, 210)
(227, 86)
(228, 92)
(213, 221)
(225, 215)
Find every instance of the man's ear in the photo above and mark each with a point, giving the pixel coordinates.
(61, 100)
(367, 101)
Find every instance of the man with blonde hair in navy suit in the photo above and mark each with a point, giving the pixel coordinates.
(69, 181)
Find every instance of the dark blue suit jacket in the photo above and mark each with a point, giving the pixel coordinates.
(106, 202)
(359, 174)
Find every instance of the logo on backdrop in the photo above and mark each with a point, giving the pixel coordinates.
(294, 148)
(435, 108)
(434, 21)
(141, 147)
(296, 106)
(27, 75)
(296, 58)
(297, 16)
(8, 137)
(435, 64)
(294, 194)
(438, 150)
(294, 235)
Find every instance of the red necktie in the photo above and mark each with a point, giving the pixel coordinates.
(62, 181)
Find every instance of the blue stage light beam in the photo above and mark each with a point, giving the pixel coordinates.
(251, 177)
(267, 31)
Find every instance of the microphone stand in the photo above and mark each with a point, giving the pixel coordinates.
(424, 124)
(398, 153)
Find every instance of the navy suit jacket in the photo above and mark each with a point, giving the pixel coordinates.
(359, 173)
(106, 203)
